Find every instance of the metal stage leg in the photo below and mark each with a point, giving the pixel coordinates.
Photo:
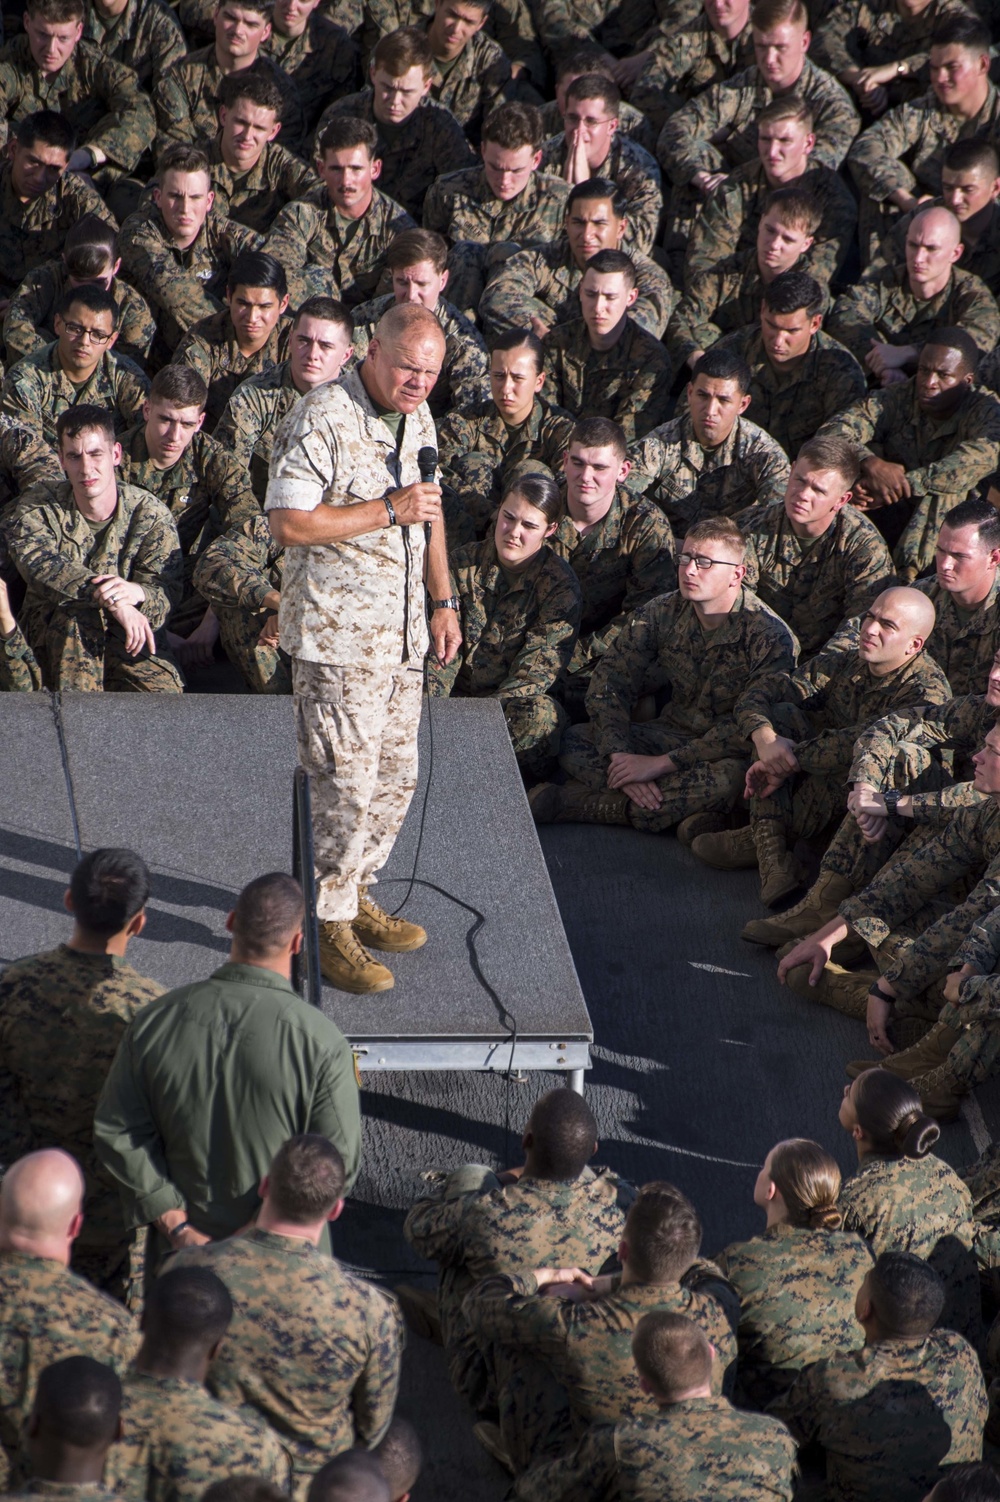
(574, 1080)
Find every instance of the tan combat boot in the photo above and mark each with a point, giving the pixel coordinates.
(381, 930)
(817, 907)
(729, 850)
(576, 804)
(844, 990)
(346, 963)
(941, 1092)
(780, 872)
(909, 1063)
(690, 828)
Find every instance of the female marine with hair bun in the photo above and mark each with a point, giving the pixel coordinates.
(904, 1198)
(799, 1279)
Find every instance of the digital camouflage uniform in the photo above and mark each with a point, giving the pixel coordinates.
(326, 255)
(719, 301)
(314, 1349)
(510, 23)
(357, 725)
(178, 1439)
(474, 84)
(963, 644)
(905, 149)
(428, 144)
(27, 326)
(37, 390)
(823, 707)
(791, 404)
(146, 37)
(483, 231)
(251, 418)
(102, 99)
(57, 553)
(544, 283)
(686, 58)
(981, 258)
(322, 64)
(25, 459)
(19, 670)
(695, 1449)
(664, 644)
(181, 286)
(637, 174)
(62, 1015)
(883, 308)
(32, 232)
(210, 347)
(465, 374)
(877, 1448)
(729, 221)
(511, 1228)
(689, 482)
(870, 33)
(562, 1366)
(62, 1491)
(944, 458)
(518, 634)
(46, 1314)
(234, 574)
(479, 453)
(797, 1289)
(185, 98)
(983, 1179)
(630, 382)
(256, 197)
(623, 561)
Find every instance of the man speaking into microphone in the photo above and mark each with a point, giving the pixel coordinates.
(360, 518)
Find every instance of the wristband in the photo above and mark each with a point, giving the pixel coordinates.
(389, 507)
(876, 990)
(185, 1225)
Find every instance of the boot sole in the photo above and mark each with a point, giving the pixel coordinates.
(388, 946)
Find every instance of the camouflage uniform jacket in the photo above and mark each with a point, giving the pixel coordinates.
(964, 645)
(690, 482)
(350, 253)
(959, 725)
(185, 99)
(475, 84)
(239, 569)
(883, 1414)
(869, 33)
(101, 99)
(180, 285)
(636, 172)
(211, 348)
(717, 302)
(905, 148)
(841, 697)
(690, 1451)
(62, 1016)
(480, 430)
(688, 57)
(543, 283)
(146, 37)
(28, 324)
(47, 1313)
(514, 1229)
(664, 643)
(797, 1289)
(178, 1439)
(251, 419)
(882, 307)
(32, 232)
(25, 459)
(792, 404)
(315, 1350)
(730, 218)
(518, 629)
(465, 375)
(205, 490)
(510, 23)
(37, 389)
(463, 206)
(428, 144)
(19, 674)
(629, 383)
(718, 129)
(587, 1347)
(333, 449)
(322, 63)
(57, 552)
(623, 561)
(981, 258)
(256, 197)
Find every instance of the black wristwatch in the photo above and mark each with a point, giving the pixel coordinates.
(452, 603)
(891, 801)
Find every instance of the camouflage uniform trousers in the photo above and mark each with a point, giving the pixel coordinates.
(265, 670)
(915, 770)
(78, 651)
(712, 787)
(536, 726)
(470, 265)
(357, 733)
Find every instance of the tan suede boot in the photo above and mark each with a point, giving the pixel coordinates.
(780, 872)
(941, 1092)
(844, 990)
(909, 1063)
(576, 804)
(346, 963)
(381, 930)
(690, 828)
(729, 850)
(817, 907)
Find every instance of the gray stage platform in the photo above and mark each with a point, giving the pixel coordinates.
(202, 786)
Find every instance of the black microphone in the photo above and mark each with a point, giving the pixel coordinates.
(427, 463)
